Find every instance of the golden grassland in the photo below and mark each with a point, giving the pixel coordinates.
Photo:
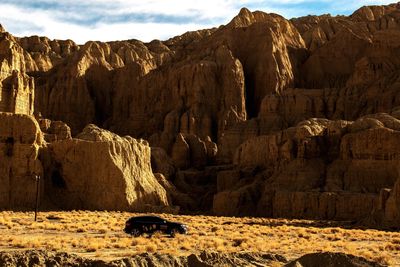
(100, 235)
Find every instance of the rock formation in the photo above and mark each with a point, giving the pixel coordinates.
(20, 141)
(318, 169)
(96, 170)
(204, 258)
(16, 87)
(331, 259)
(386, 212)
(54, 130)
(262, 116)
(101, 170)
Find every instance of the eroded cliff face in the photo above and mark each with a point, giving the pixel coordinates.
(16, 87)
(318, 169)
(20, 141)
(262, 116)
(97, 170)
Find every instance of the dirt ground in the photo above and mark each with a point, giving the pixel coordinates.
(99, 235)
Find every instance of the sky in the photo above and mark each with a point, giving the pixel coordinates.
(146, 20)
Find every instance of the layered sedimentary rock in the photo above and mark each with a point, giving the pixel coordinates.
(44, 54)
(247, 93)
(191, 96)
(202, 74)
(82, 89)
(386, 212)
(101, 170)
(20, 141)
(97, 170)
(16, 87)
(318, 169)
(260, 60)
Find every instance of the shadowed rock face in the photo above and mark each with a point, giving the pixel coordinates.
(231, 112)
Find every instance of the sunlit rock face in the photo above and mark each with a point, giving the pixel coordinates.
(262, 116)
(100, 170)
(16, 87)
(20, 142)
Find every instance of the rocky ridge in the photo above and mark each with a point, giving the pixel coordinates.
(45, 258)
(262, 116)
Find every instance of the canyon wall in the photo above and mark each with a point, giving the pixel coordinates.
(262, 116)
(20, 142)
(98, 170)
(16, 87)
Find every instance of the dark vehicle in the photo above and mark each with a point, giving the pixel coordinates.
(150, 224)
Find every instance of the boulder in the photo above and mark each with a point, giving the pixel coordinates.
(100, 170)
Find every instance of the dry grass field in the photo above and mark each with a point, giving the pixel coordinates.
(100, 235)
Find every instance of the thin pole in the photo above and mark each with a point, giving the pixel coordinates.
(37, 195)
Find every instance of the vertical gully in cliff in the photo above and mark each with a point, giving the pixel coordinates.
(249, 94)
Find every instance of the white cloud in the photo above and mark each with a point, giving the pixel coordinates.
(107, 20)
(12, 18)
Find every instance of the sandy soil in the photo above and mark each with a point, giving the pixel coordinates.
(99, 235)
